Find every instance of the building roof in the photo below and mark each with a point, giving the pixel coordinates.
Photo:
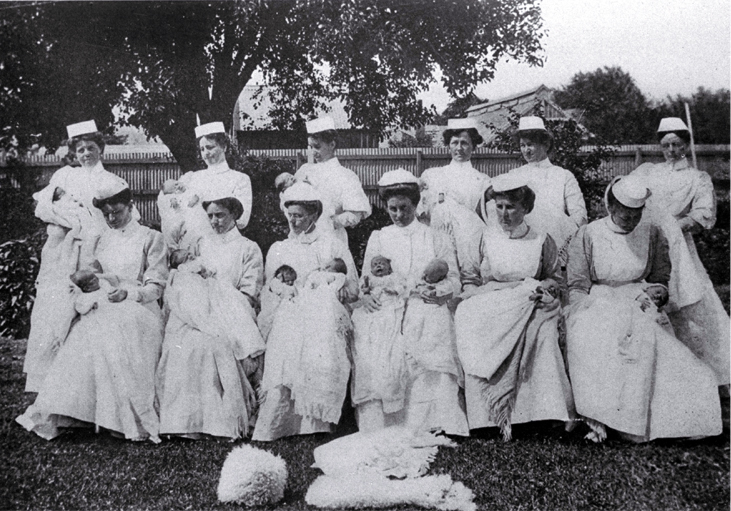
(514, 99)
(253, 107)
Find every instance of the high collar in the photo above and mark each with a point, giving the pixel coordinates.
(460, 165)
(228, 236)
(614, 227)
(678, 165)
(305, 238)
(219, 168)
(97, 168)
(129, 229)
(522, 231)
(332, 163)
(543, 164)
(410, 229)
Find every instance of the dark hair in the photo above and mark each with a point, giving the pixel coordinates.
(177, 257)
(219, 138)
(285, 268)
(408, 190)
(123, 197)
(340, 266)
(523, 196)
(682, 134)
(327, 136)
(82, 278)
(95, 137)
(312, 207)
(231, 204)
(543, 137)
(474, 135)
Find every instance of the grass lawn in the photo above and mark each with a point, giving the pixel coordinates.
(543, 468)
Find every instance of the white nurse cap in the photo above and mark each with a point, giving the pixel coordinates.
(531, 122)
(398, 177)
(110, 187)
(672, 124)
(462, 124)
(507, 182)
(81, 128)
(209, 129)
(320, 124)
(630, 191)
(300, 192)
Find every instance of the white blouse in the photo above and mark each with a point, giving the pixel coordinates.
(458, 180)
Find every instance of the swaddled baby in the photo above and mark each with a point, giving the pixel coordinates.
(434, 279)
(282, 284)
(652, 300)
(94, 291)
(78, 225)
(382, 284)
(333, 274)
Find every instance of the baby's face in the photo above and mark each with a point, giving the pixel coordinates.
(288, 277)
(435, 272)
(283, 181)
(172, 186)
(179, 257)
(656, 294)
(380, 267)
(91, 285)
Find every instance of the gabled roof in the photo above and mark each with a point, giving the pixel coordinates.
(512, 100)
(253, 107)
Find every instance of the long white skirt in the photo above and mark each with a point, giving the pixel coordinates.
(633, 376)
(104, 375)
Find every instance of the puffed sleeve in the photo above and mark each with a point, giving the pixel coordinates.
(579, 263)
(156, 268)
(242, 191)
(342, 251)
(659, 271)
(472, 261)
(444, 249)
(550, 265)
(252, 271)
(353, 197)
(644, 170)
(703, 207)
(574, 200)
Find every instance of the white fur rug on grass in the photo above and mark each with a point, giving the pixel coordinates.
(252, 477)
(374, 491)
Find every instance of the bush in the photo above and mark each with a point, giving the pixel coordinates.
(358, 236)
(19, 263)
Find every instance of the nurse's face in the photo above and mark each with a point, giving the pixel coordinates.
(211, 152)
(401, 210)
(673, 147)
(118, 215)
(625, 218)
(460, 147)
(321, 151)
(300, 220)
(88, 153)
(509, 214)
(220, 218)
(533, 152)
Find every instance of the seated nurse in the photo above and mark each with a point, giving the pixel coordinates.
(628, 373)
(507, 325)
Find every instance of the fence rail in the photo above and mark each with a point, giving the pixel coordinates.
(146, 172)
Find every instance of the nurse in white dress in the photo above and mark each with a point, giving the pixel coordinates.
(683, 202)
(450, 195)
(216, 180)
(560, 208)
(507, 325)
(66, 248)
(306, 365)
(627, 372)
(207, 374)
(433, 398)
(345, 204)
(104, 374)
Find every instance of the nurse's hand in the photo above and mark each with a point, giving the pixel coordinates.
(427, 297)
(193, 201)
(371, 303)
(118, 295)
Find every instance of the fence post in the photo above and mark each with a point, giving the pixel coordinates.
(638, 157)
(419, 162)
(298, 162)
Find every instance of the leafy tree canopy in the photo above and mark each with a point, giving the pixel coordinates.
(710, 113)
(165, 62)
(614, 108)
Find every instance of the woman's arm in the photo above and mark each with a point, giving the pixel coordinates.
(242, 192)
(574, 200)
(355, 203)
(659, 263)
(702, 214)
(579, 265)
(550, 265)
(156, 269)
(252, 273)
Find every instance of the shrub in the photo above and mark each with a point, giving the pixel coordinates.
(358, 235)
(19, 263)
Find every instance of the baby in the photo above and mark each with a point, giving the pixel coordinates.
(652, 300)
(283, 181)
(382, 284)
(334, 272)
(283, 282)
(434, 280)
(94, 291)
(75, 217)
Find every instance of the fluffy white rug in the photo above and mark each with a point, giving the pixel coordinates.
(252, 477)
(369, 490)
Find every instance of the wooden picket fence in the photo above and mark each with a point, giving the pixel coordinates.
(146, 172)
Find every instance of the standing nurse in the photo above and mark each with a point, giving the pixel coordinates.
(344, 200)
